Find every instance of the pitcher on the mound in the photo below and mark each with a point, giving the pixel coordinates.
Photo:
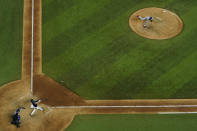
(147, 19)
(35, 106)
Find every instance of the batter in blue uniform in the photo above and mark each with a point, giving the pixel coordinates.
(35, 106)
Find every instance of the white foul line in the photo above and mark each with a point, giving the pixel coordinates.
(177, 113)
(32, 47)
(148, 106)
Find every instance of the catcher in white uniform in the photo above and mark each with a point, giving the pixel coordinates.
(147, 19)
(35, 106)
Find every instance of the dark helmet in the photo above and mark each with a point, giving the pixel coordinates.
(17, 110)
(151, 18)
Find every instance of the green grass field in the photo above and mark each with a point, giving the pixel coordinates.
(11, 26)
(89, 45)
(134, 123)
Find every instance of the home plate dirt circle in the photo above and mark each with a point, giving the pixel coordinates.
(165, 24)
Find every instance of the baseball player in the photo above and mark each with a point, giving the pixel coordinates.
(35, 106)
(16, 117)
(147, 19)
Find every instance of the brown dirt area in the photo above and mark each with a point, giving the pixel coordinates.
(16, 95)
(26, 50)
(142, 102)
(53, 94)
(165, 25)
(37, 37)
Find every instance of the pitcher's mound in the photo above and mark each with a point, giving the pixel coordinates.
(166, 24)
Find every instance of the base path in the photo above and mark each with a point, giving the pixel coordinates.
(26, 49)
(165, 25)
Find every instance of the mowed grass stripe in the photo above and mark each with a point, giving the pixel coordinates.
(87, 69)
(130, 84)
(11, 13)
(187, 90)
(64, 22)
(126, 24)
(125, 63)
(58, 6)
(172, 78)
(46, 2)
(63, 31)
(99, 61)
(88, 47)
(187, 67)
(79, 47)
(72, 35)
(80, 10)
(91, 88)
(81, 29)
(134, 122)
(181, 6)
(92, 43)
